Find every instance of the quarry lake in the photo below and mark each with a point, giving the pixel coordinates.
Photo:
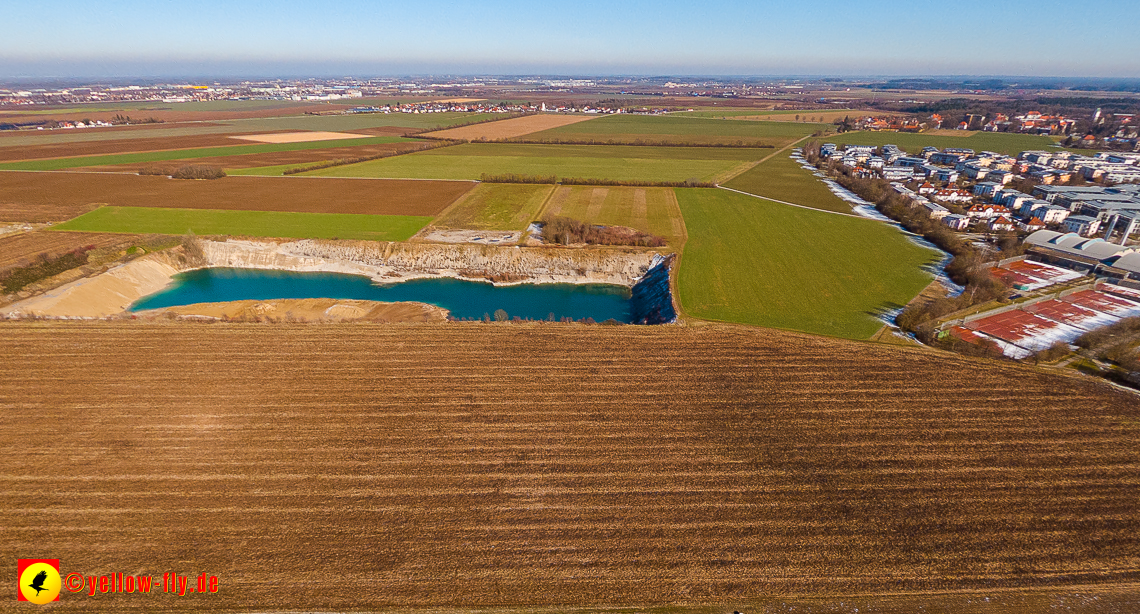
(464, 299)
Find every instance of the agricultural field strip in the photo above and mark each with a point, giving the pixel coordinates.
(745, 507)
(276, 224)
(56, 196)
(673, 126)
(651, 210)
(322, 123)
(510, 127)
(783, 202)
(496, 206)
(47, 164)
(616, 162)
(25, 247)
(744, 168)
(266, 162)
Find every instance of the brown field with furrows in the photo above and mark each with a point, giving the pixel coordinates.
(509, 128)
(40, 210)
(303, 156)
(54, 195)
(168, 114)
(25, 247)
(94, 148)
(459, 465)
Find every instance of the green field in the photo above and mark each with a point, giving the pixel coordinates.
(615, 162)
(54, 164)
(746, 112)
(783, 179)
(675, 128)
(651, 210)
(1000, 142)
(496, 206)
(144, 220)
(756, 262)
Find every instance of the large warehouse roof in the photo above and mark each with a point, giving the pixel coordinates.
(1119, 256)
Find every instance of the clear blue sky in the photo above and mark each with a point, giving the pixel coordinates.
(716, 37)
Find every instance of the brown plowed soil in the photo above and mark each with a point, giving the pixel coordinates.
(31, 197)
(94, 148)
(170, 115)
(25, 247)
(361, 467)
(509, 128)
(388, 131)
(305, 310)
(303, 156)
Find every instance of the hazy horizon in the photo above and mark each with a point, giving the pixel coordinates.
(85, 39)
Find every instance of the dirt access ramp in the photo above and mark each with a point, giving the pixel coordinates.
(508, 128)
(305, 310)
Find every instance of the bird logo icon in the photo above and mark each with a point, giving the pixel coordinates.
(38, 583)
(39, 580)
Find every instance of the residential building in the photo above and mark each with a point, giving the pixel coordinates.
(1001, 224)
(956, 222)
(1082, 225)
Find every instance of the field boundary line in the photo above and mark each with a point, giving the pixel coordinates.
(156, 151)
(733, 173)
(464, 197)
(70, 172)
(300, 176)
(294, 176)
(545, 203)
(679, 253)
(783, 202)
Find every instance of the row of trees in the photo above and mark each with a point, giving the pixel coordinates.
(566, 231)
(692, 182)
(44, 266)
(186, 171)
(969, 266)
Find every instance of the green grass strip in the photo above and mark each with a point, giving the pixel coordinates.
(189, 154)
(143, 220)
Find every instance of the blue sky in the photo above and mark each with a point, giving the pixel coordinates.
(715, 37)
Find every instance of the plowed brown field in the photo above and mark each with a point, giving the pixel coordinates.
(510, 128)
(25, 247)
(93, 148)
(171, 115)
(360, 466)
(274, 158)
(63, 195)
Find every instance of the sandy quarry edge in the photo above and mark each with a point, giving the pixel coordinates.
(304, 310)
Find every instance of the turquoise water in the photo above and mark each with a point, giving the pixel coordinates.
(464, 299)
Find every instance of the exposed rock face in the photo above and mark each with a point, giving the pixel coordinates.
(652, 300)
(409, 261)
(111, 293)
